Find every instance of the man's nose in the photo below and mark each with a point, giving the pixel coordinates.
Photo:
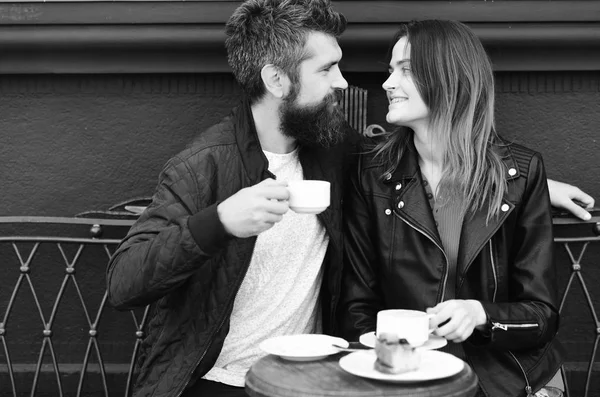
(340, 82)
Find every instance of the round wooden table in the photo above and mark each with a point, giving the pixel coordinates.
(273, 376)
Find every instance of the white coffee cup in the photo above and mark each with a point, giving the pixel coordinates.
(412, 325)
(309, 196)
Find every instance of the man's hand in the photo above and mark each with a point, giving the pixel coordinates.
(458, 318)
(254, 209)
(563, 195)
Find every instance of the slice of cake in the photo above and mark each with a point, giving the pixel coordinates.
(395, 356)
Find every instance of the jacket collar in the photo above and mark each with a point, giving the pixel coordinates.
(255, 161)
(317, 163)
(413, 206)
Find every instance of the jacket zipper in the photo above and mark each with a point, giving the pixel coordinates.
(325, 276)
(437, 245)
(528, 389)
(210, 341)
(493, 271)
(505, 327)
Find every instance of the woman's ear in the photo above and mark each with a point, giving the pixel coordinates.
(276, 82)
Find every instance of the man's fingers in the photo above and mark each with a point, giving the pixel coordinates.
(271, 182)
(272, 218)
(277, 207)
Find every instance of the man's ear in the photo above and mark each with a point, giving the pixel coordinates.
(276, 82)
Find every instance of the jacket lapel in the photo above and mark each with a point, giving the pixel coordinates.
(412, 204)
(255, 162)
(476, 231)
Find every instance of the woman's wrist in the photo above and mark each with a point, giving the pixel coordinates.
(479, 314)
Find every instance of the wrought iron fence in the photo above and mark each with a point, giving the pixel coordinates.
(51, 258)
(70, 247)
(576, 236)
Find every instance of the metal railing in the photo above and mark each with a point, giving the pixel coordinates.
(68, 240)
(575, 236)
(80, 246)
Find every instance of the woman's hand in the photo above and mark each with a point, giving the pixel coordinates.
(458, 318)
(571, 198)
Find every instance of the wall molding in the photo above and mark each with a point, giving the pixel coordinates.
(187, 36)
(214, 84)
(547, 82)
(223, 84)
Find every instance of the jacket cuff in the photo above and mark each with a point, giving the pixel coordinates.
(481, 337)
(207, 230)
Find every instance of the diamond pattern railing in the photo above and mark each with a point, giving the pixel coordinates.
(71, 255)
(576, 236)
(68, 244)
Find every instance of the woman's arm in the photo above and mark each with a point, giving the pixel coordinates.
(530, 317)
(571, 198)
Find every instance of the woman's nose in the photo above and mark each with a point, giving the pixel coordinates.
(389, 84)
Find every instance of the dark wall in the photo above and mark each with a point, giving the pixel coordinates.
(72, 143)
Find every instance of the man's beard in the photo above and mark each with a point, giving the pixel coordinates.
(313, 125)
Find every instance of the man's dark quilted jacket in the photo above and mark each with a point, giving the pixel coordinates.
(179, 258)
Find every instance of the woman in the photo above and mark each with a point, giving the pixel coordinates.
(445, 216)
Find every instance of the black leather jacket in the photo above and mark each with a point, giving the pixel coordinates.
(394, 259)
(178, 257)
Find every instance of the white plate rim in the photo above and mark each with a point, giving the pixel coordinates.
(438, 343)
(367, 358)
(267, 346)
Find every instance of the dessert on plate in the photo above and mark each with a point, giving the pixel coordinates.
(394, 355)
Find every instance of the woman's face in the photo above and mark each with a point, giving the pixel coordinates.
(406, 107)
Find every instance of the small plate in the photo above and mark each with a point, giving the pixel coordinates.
(434, 365)
(434, 341)
(303, 347)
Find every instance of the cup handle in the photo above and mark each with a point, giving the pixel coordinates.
(429, 317)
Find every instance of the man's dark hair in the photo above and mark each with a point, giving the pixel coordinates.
(262, 32)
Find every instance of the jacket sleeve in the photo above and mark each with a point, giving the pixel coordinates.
(360, 297)
(177, 234)
(530, 318)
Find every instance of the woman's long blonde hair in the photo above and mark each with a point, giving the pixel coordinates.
(454, 77)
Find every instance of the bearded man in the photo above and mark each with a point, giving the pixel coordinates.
(217, 253)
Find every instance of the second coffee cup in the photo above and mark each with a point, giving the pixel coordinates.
(412, 325)
(309, 196)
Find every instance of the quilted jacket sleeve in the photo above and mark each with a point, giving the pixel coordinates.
(530, 318)
(178, 232)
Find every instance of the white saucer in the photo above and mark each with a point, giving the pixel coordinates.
(303, 347)
(434, 341)
(434, 365)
